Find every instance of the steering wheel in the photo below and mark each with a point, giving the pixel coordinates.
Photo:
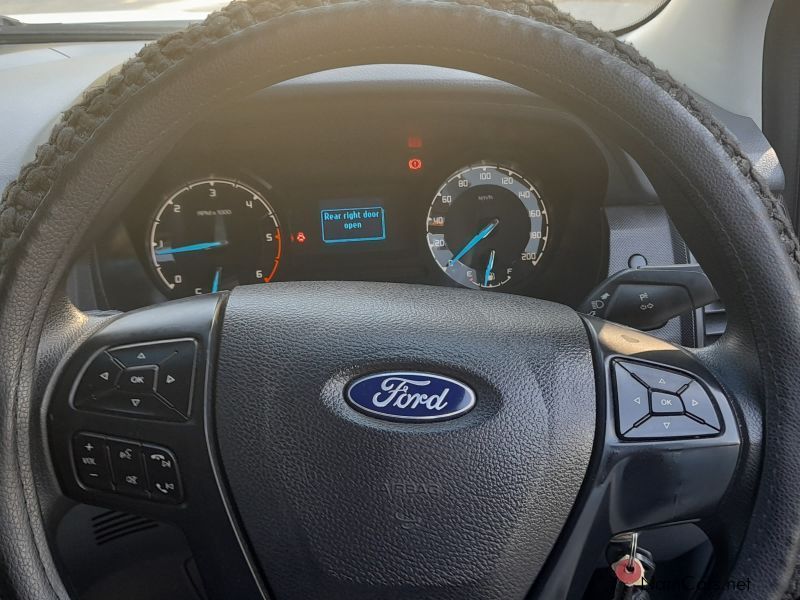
(281, 487)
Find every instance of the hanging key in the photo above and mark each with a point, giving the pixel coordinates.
(629, 571)
(633, 570)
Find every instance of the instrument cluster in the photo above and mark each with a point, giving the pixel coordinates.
(512, 204)
(486, 227)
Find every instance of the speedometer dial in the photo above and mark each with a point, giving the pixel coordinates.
(487, 226)
(212, 235)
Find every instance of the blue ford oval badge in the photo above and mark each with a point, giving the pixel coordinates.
(410, 396)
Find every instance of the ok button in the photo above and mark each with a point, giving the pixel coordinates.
(663, 403)
(138, 379)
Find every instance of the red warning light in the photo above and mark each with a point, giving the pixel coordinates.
(414, 142)
(415, 164)
(300, 237)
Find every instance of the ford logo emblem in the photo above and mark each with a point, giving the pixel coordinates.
(410, 396)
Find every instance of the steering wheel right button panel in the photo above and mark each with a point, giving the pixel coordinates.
(679, 406)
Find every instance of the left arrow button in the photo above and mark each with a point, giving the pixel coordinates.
(100, 376)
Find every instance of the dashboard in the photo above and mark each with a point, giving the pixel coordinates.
(349, 139)
(400, 187)
(385, 173)
(355, 174)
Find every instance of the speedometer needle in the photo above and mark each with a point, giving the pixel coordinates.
(191, 248)
(482, 235)
(215, 284)
(489, 268)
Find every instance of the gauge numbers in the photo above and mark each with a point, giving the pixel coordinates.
(487, 226)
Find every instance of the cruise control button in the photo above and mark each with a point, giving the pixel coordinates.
(143, 354)
(699, 404)
(658, 379)
(676, 426)
(126, 465)
(664, 403)
(100, 376)
(146, 406)
(632, 402)
(139, 380)
(91, 461)
(175, 376)
(162, 473)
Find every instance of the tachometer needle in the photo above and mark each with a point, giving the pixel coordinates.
(190, 248)
(215, 285)
(489, 268)
(482, 235)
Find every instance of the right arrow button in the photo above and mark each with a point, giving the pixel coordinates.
(699, 404)
(175, 376)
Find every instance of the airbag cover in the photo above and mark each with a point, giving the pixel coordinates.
(339, 504)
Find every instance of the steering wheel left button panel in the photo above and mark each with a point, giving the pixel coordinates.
(154, 457)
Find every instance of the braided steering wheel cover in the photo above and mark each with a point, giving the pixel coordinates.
(28, 199)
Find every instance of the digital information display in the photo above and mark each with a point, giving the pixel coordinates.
(344, 225)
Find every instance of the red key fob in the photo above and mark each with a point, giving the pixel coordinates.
(628, 575)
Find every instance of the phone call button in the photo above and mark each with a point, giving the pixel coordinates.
(162, 474)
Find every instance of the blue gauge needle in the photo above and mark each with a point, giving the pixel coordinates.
(482, 235)
(190, 248)
(215, 285)
(489, 268)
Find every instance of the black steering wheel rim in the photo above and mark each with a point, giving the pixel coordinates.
(726, 213)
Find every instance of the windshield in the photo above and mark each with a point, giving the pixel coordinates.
(614, 15)
(108, 11)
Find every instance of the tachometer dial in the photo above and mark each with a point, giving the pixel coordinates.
(487, 226)
(212, 235)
